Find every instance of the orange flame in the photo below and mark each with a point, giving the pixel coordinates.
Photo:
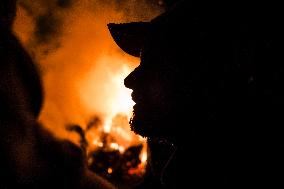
(118, 105)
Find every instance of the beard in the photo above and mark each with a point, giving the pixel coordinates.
(153, 115)
(150, 124)
(141, 127)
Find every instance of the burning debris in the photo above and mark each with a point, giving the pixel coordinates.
(118, 155)
(117, 166)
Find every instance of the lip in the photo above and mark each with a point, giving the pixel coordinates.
(141, 102)
(138, 108)
(135, 107)
(137, 97)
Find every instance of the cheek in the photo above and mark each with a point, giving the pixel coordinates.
(158, 93)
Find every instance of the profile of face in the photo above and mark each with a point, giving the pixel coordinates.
(152, 83)
(159, 83)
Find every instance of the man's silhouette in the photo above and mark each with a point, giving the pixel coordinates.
(31, 157)
(209, 75)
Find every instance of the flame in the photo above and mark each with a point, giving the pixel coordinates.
(123, 102)
(144, 157)
(120, 99)
(141, 168)
(115, 105)
(107, 125)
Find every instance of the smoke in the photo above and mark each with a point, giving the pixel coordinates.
(76, 55)
(46, 26)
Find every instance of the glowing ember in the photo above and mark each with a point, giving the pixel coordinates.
(109, 170)
(144, 157)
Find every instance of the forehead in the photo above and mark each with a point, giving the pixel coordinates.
(152, 56)
(154, 51)
(162, 51)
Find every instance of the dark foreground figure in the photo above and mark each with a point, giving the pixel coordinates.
(30, 157)
(208, 93)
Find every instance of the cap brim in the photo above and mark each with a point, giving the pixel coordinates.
(130, 36)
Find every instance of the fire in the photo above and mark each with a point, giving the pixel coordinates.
(120, 98)
(113, 136)
(144, 157)
(123, 102)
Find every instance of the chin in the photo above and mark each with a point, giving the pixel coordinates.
(139, 128)
(147, 126)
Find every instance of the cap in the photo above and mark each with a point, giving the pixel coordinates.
(130, 37)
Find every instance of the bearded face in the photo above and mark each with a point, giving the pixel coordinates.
(151, 84)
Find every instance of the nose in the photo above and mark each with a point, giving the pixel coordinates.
(131, 80)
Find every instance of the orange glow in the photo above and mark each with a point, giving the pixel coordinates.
(144, 157)
(82, 69)
(109, 170)
(114, 102)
